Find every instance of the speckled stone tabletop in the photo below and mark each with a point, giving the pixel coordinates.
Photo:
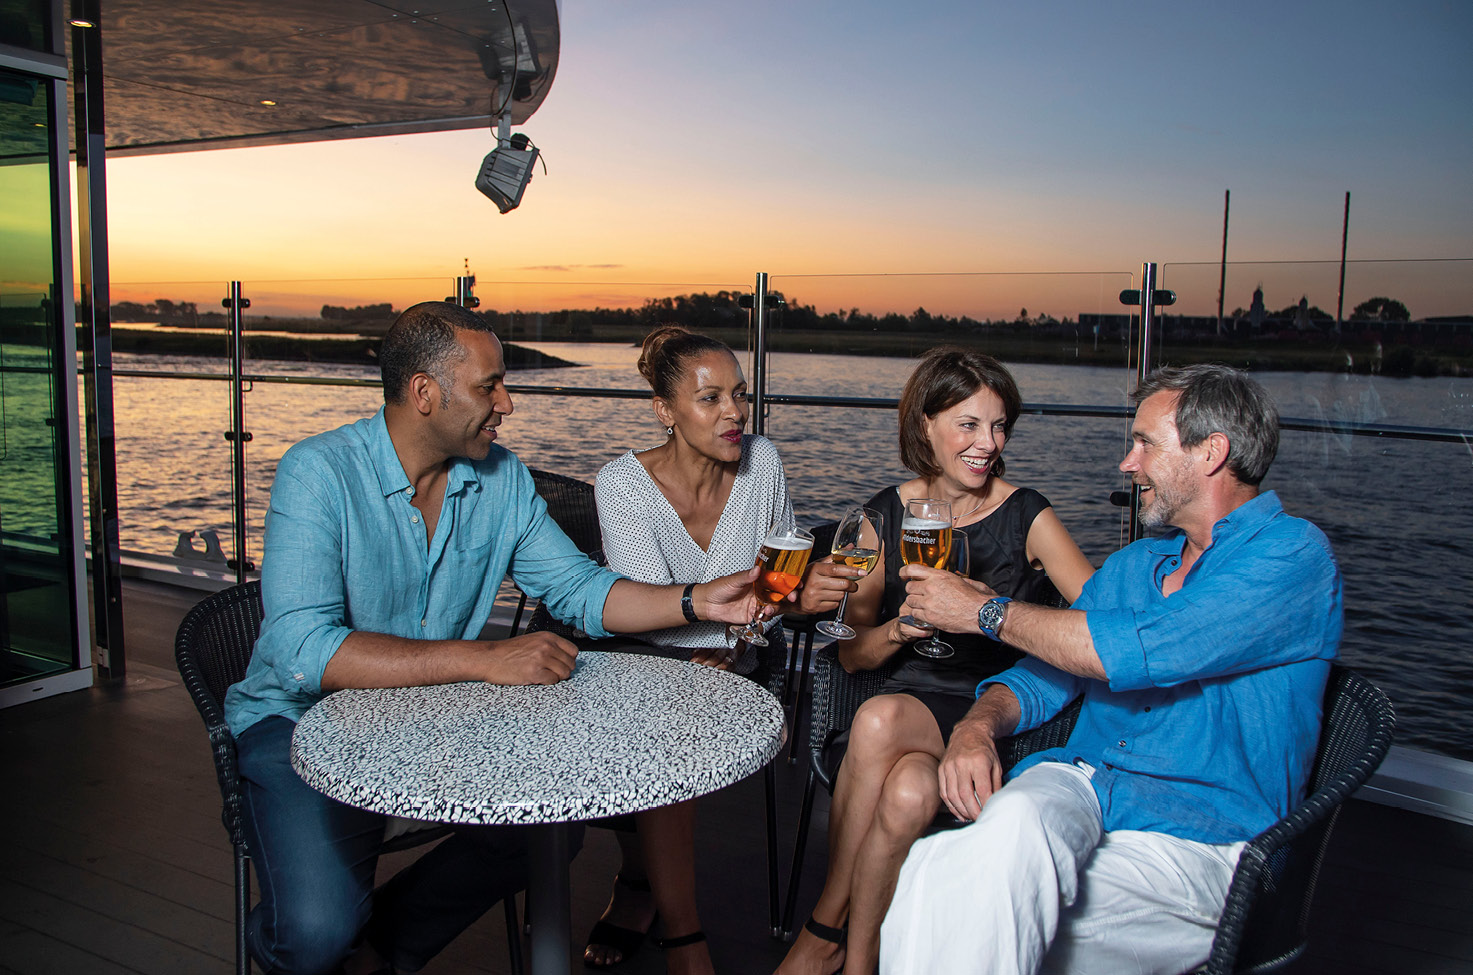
(624, 733)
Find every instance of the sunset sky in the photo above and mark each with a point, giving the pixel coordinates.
(689, 146)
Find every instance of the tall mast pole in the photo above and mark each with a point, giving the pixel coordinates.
(1344, 238)
(1227, 196)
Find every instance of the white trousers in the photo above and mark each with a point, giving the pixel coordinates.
(1036, 885)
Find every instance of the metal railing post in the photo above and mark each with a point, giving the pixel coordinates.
(95, 316)
(237, 434)
(758, 388)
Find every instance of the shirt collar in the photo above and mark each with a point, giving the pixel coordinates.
(386, 465)
(1246, 518)
(390, 471)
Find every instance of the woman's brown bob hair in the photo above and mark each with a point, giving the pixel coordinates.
(943, 378)
(668, 352)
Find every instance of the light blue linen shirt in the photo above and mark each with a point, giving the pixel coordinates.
(345, 550)
(1208, 724)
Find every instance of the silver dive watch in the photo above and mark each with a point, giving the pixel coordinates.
(991, 616)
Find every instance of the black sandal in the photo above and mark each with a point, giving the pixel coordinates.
(823, 932)
(626, 941)
(694, 938)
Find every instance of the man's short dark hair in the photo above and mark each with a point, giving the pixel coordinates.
(422, 339)
(943, 378)
(1220, 399)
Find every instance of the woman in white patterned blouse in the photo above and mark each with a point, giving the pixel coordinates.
(688, 510)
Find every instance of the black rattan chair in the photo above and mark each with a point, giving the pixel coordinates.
(212, 649)
(1265, 922)
(571, 504)
(837, 695)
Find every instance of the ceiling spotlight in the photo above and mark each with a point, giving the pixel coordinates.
(507, 169)
(267, 102)
(79, 22)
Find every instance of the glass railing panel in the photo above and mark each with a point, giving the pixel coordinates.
(172, 456)
(310, 352)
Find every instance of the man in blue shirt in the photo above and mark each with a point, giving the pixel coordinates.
(1202, 657)
(386, 542)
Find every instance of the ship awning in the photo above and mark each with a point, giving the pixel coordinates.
(183, 75)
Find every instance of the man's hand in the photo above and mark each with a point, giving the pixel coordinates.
(944, 599)
(533, 658)
(824, 585)
(971, 770)
(728, 599)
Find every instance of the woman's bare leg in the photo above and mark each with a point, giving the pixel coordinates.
(906, 807)
(628, 908)
(668, 837)
(886, 728)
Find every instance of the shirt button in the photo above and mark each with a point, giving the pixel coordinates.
(414, 519)
(1148, 708)
(1121, 743)
(427, 623)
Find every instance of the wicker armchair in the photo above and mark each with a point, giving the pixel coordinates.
(571, 504)
(212, 650)
(1265, 922)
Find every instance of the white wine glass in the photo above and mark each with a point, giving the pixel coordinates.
(925, 538)
(958, 560)
(782, 559)
(857, 545)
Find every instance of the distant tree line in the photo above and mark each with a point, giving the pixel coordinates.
(336, 313)
(163, 310)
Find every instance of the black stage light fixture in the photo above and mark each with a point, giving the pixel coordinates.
(506, 171)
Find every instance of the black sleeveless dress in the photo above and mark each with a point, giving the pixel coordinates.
(998, 545)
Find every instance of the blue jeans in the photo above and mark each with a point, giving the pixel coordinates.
(315, 859)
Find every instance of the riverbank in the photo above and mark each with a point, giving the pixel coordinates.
(305, 348)
(1040, 346)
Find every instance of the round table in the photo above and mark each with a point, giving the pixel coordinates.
(624, 733)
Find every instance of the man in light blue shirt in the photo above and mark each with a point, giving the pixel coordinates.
(1201, 656)
(386, 542)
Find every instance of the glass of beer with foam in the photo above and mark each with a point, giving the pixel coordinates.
(781, 561)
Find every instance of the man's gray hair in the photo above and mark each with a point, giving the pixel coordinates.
(422, 339)
(1220, 399)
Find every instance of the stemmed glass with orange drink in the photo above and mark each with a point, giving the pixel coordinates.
(782, 559)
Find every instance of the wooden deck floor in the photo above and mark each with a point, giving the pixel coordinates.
(114, 859)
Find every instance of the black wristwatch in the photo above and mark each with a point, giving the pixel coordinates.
(990, 617)
(687, 607)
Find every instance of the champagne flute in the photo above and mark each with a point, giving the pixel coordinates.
(959, 560)
(782, 559)
(857, 545)
(925, 538)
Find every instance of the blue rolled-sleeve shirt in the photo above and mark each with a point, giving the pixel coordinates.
(345, 550)
(1208, 724)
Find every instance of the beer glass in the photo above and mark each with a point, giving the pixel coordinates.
(925, 537)
(856, 544)
(959, 560)
(782, 559)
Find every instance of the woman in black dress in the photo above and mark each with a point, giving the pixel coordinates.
(956, 414)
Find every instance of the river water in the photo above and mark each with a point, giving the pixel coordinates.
(1396, 511)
